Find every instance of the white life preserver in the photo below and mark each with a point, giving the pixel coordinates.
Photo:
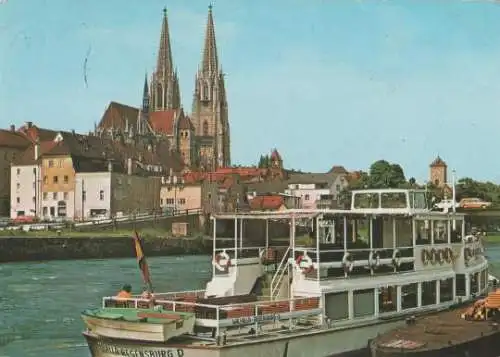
(222, 261)
(374, 259)
(347, 262)
(396, 258)
(469, 238)
(304, 263)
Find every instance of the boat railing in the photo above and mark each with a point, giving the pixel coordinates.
(356, 254)
(249, 252)
(280, 273)
(179, 294)
(217, 315)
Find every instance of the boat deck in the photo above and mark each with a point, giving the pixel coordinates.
(435, 332)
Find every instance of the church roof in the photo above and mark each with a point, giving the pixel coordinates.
(163, 121)
(185, 123)
(117, 115)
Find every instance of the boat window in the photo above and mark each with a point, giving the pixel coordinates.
(393, 200)
(387, 299)
(446, 290)
(419, 200)
(409, 296)
(474, 283)
(364, 302)
(460, 285)
(428, 293)
(404, 235)
(366, 200)
(484, 279)
(423, 232)
(337, 306)
(440, 232)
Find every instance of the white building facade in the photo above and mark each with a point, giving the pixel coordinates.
(25, 191)
(93, 194)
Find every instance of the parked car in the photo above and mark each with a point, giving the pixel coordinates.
(474, 203)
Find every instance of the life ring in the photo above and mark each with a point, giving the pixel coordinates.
(434, 256)
(348, 262)
(469, 238)
(224, 267)
(425, 257)
(441, 256)
(396, 258)
(374, 259)
(304, 263)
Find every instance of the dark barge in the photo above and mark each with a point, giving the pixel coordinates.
(462, 331)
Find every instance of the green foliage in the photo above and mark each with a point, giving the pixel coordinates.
(488, 191)
(264, 162)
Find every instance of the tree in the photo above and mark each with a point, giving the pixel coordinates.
(386, 175)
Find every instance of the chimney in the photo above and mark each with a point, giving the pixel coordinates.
(29, 124)
(12, 127)
(129, 166)
(37, 149)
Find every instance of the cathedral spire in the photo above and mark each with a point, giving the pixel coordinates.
(145, 94)
(210, 62)
(164, 65)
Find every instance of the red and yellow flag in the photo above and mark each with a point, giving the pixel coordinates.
(141, 259)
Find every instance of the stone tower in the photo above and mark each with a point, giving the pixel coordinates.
(438, 172)
(209, 111)
(186, 141)
(164, 92)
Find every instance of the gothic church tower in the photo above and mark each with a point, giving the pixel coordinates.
(165, 93)
(209, 112)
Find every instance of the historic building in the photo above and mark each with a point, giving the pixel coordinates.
(201, 139)
(438, 172)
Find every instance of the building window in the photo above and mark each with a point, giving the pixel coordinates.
(34, 185)
(18, 171)
(34, 171)
(306, 197)
(18, 185)
(44, 211)
(65, 195)
(51, 163)
(55, 179)
(205, 128)
(45, 180)
(182, 201)
(161, 201)
(84, 195)
(337, 188)
(45, 196)
(18, 200)
(66, 178)
(169, 201)
(54, 195)
(34, 199)
(101, 195)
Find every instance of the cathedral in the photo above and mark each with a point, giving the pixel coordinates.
(201, 138)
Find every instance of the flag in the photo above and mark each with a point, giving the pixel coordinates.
(141, 259)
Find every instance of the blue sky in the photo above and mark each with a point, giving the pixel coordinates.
(331, 82)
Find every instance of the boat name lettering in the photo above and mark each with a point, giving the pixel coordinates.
(133, 352)
(253, 319)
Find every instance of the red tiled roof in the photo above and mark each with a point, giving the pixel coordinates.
(117, 115)
(270, 202)
(163, 122)
(28, 156)
(185, 123)
(338, 170)
(13, 139)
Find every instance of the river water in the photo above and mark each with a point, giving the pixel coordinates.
(40, 303)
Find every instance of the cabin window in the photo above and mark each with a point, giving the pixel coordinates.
(440, 229)
(393, 200)
(484, 279)
(387, 299)
(460, 285)
(366, 200)
(423, 232)
(337, 306)
(428, 293)
(474, 283)
(446, 290)
(364, 302)
(409, 296)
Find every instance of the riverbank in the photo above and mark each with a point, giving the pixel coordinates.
(90, 246)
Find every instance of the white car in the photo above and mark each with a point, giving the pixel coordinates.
(446, 205)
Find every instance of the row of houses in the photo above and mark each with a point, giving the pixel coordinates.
(57, 174)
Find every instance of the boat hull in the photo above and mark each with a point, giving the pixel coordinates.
(346, 342)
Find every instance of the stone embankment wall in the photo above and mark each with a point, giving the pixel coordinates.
(17, 249)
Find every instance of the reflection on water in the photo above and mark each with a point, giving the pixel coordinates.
(40, 303)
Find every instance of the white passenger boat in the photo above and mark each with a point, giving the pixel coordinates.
(356, 273)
